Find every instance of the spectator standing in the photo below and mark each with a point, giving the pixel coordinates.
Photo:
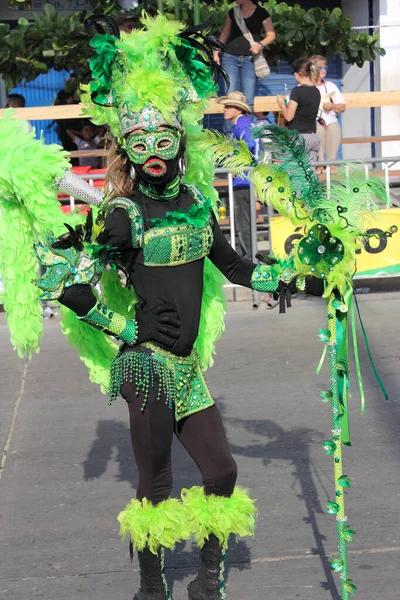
(17, 101)
(126, 23)
(302, 109)
(238, 59)
(87, 138)
(236, 110)
(67, 96)
(332, 104)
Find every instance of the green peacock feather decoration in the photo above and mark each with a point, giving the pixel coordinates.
(334, 221)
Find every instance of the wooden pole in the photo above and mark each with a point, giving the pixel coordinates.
(261, 104)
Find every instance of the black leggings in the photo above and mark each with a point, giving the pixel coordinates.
(202, 435)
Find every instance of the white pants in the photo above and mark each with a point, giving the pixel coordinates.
(313, 143)
(330, 141)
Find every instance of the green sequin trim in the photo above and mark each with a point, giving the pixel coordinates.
(134, 213)
(129, 334)
(66, 267)
(179, 378)
(101, 317)
(221, 576)
(181, 236)
(164, 579)
(171, 190)
(172, 246)
(264, 279)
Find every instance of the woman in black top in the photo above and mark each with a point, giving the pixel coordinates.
(238, 60)
(302, 110)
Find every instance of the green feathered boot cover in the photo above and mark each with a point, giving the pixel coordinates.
(151, 528)
(212, 519)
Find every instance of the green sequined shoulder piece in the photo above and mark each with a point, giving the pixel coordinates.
(134, 213)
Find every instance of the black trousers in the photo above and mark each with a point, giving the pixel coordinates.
(241, 203)
(202, 435)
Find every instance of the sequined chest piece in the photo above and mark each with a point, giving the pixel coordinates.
(173, 245)
(176, 245)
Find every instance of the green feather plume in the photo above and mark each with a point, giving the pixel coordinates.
(230, 154)
(115, 295)
(290, 149)
(143, 67)
(219, 515)
(213, 308)
(28, 209)
(96, 349)
(154, 526)
(273, 187)
(356, 199)
(197, 215)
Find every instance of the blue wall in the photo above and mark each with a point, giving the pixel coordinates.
(42, 92)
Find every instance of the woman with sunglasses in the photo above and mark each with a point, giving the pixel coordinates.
(332, 104)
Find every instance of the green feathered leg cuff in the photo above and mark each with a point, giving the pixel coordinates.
(101, 317)
(155, 527)
(219, 515)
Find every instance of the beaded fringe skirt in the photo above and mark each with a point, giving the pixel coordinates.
(178, 379)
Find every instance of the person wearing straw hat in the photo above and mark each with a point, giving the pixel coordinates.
(237, 111)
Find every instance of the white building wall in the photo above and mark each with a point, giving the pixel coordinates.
(389, 71)
(356, 122)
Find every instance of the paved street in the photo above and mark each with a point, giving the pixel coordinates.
(68, 468)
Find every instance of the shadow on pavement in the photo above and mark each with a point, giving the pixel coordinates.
(294, 446)
(113, 443)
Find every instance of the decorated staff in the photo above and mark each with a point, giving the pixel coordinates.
(335, 223)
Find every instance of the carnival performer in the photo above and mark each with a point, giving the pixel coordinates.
(158, 226)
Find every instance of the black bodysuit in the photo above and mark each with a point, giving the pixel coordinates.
(180, 286)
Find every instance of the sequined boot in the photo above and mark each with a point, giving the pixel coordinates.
(153, 585)
(209, 583)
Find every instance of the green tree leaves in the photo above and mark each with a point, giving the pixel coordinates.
(320, 31)
(52, 39)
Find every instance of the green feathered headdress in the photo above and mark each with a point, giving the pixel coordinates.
(162, 65)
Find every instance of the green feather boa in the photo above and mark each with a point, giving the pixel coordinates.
(28, 209)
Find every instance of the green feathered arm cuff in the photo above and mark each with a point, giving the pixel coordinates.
(101, 317)
(66, 267)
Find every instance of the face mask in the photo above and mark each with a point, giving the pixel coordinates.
(153, 149)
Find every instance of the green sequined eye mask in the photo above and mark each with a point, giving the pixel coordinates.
(163, 144)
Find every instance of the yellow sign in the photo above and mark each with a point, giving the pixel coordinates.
(379, 256)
